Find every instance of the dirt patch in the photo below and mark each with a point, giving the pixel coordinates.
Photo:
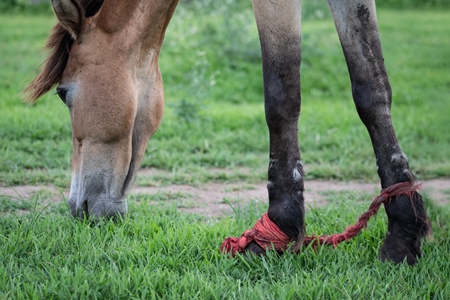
(218, 199)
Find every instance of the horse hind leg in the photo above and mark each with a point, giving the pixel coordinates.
(280, 36)
(357, 28)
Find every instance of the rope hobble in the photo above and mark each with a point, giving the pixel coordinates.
(270, 237)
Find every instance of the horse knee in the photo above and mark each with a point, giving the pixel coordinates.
(372, 98)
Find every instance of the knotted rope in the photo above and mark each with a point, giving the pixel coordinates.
(270, 237)
(265, 233)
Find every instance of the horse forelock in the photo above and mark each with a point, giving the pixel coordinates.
(59, 44)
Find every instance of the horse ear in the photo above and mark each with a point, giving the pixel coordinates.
(70, 15)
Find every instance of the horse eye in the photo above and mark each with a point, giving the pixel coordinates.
(62, 93)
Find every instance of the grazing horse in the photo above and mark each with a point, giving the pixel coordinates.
(104, 59)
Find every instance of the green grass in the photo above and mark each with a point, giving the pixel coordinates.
(8, 204)
(158, 252)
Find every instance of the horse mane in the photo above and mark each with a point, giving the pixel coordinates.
(58, 44)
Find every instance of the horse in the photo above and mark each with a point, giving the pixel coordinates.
(104, 61)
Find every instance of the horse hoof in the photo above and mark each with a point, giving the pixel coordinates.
(397, 251)
(254, 249)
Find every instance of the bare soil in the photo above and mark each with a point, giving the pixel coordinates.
(217, 199)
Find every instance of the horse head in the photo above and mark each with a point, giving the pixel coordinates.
(104, 62)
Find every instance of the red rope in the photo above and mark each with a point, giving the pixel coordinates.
(270, 237)
(265, 233)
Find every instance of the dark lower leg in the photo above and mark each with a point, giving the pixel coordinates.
(285, 173)
(358, 31)
(286, 186)
(407, 218)
(279, 31)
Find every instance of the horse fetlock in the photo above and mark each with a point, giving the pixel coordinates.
(286, 210)
(407, 224)
(408, 213)
(286, 202)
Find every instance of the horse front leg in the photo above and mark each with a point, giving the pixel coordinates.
(280, 36)
(357, 27)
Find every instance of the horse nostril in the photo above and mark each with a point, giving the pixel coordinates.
(81, 211)
(84, 206)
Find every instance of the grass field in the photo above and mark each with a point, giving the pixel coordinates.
(158, 252)
(214, 119)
